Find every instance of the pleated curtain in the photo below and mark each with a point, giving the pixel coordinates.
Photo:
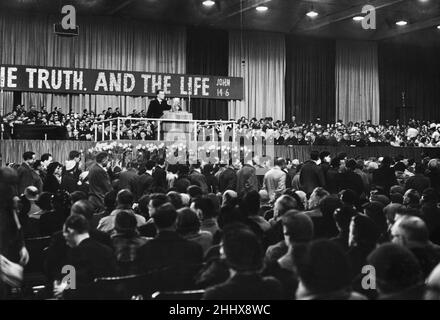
(105, 43)
(357, 81)
(260, 58)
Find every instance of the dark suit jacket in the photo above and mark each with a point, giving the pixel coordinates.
(144, 184)
(349, 180)
(160, 178)
(51, 184)
(57, 252)
(127, 180)
(227, 180)
(246, 287)
(168, 249)
(155, 109)
(246, 179)
(28, 177)
(418, 182)
(384, 177)
(91, 260)
(69, 182)
(198, 179)
(99, 182)
(311, 176)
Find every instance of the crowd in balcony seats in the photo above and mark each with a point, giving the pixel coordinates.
(83, 126)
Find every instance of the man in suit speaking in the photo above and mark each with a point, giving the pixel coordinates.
(158, 105)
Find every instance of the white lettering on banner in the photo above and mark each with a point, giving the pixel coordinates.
(166, 84)
(2, 77)
(115, 82)
(56, 79)
(68, 74)
(12, 77)
(182, 86)
(223, 82)
(101, 82)
(146, 77)
(156, 85)
(127, 77)
(197, 85)
(78, 80)
(205, 87)
(43, 78)
(31, 72)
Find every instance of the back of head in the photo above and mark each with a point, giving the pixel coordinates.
(323, 267)
(206, 206)
(158, 199)
(175, 199)
(413, 228)
(101, 156)
(45, 201)
(77, 223)
(329, 204)
(397, 189)
(314, 155)
(74, 154)
(165, 216)
(298, 226)
(194, 191)
(351, 164)
(284, 204)
(251, 203)
(125, 222)
(187, 221)
(396, 268)
(349, 197)
(84, 208)
(280, 162)
(125, 198)
(242, 249)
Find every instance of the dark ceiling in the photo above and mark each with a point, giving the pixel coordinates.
(287, 16)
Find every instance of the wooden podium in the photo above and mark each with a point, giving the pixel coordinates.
(168, 126)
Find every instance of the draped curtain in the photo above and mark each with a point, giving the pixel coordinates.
(357, 81)
(409, 76)
(207, 54)
(106, 43)
(263, 70)
(310, 79)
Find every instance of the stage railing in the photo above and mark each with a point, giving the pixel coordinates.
(196, 125)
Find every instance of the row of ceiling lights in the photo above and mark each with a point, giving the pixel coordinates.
(313, 13)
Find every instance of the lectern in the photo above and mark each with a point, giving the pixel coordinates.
(176, 125)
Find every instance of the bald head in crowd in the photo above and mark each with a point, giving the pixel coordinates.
(410, 230)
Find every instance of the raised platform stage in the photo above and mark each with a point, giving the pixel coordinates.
(12, 150)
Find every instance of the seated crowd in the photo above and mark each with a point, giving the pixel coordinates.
(288, 133)
(300, 231)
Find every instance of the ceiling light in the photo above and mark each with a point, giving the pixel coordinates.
(261, 8)
(208, 3)
(401, 23)
(358, 18)
(438, 27)
(312, 14)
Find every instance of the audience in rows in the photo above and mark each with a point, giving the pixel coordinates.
(300, 231)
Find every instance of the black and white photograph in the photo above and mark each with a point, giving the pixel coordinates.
(224, 157)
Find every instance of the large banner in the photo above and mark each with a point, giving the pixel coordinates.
(93, 81)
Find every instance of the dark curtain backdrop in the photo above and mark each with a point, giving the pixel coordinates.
(310, 79)
(414, 71)
(207, 54)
